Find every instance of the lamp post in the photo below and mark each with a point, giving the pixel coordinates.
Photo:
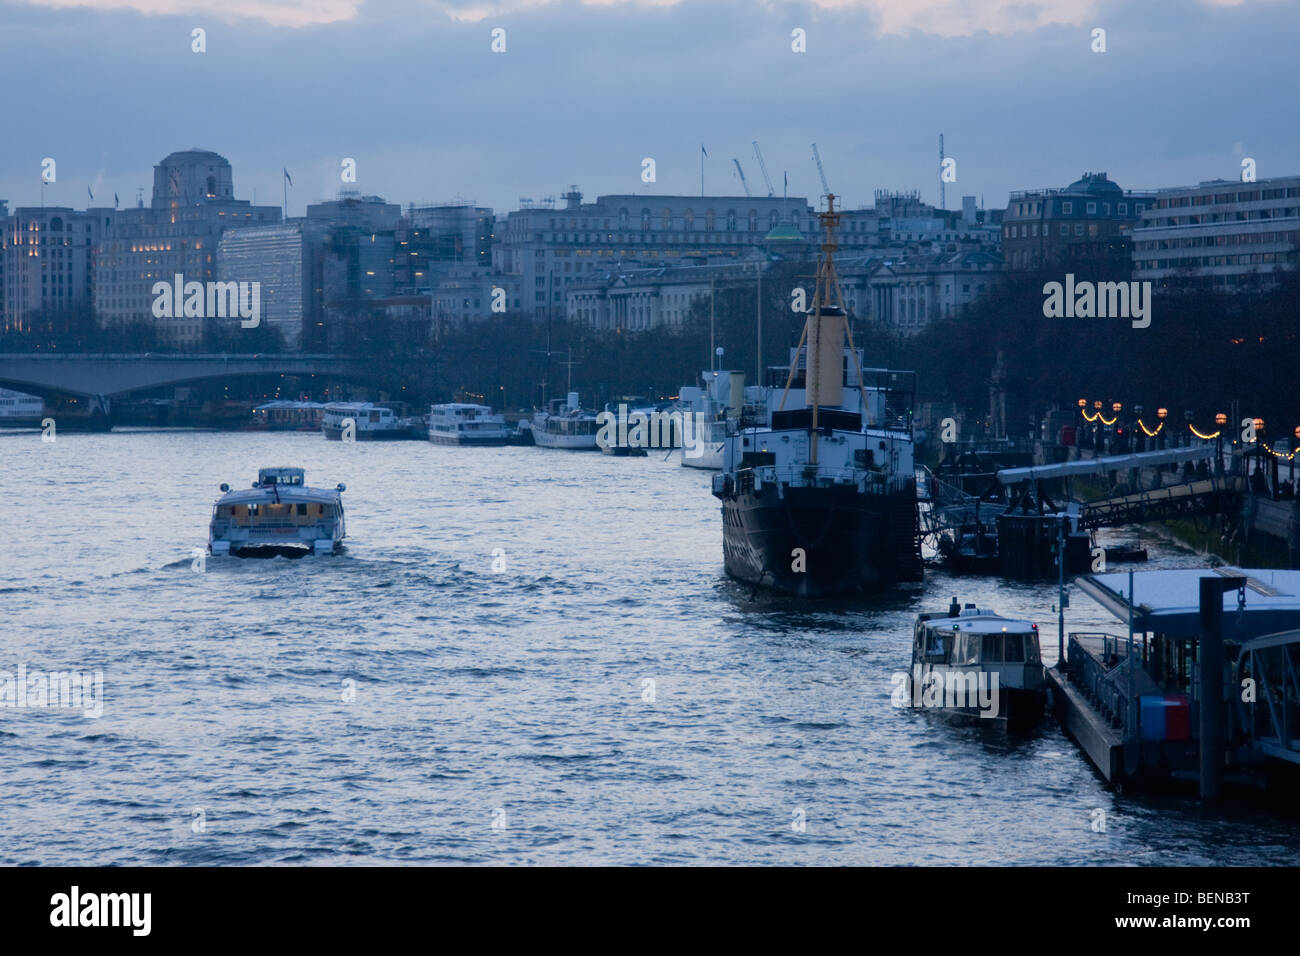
(1117, 444)
(1083, 422)
(1142, 440)
(1221, 420)
(1162, 414)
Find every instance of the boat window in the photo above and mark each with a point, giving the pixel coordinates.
(992, 651)
(1031, 649)
(1013, 649)
(302, 509)
(968, 647)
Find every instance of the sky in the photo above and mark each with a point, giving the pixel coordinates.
(585, 91)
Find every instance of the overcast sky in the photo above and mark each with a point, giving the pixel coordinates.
(585, 91)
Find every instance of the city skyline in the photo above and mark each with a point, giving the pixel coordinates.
(464, 124)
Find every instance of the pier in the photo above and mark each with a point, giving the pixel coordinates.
(1205, 687)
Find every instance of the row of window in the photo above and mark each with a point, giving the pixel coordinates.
(1243, 259)
(1236, 239)
(1214, 199)
(1065, 207)
(1030, 230)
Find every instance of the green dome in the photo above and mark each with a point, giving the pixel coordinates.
(785, 233)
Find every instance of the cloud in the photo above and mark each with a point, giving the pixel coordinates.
(280, 13)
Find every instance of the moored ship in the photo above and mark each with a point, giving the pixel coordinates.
(822, 500)
(370, 421)
(458, 423)
(974, 663)
(566, 424)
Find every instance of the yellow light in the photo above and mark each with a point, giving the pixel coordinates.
(1115, 407)
(1220, 419)
(1083, 403)
(1206, 437)
(1149, 432)
(1162, 412)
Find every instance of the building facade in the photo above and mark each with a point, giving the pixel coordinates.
(178, 233)
(47, 259)
(551, 250)
(1092, 218)
(1228, 232)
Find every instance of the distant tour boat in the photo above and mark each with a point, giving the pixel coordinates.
(368, 421)
(566, 425)
(975, 663)
(279, 515)
(460, 424)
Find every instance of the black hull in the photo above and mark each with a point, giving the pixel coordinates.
(851, 542)
(1019, 712)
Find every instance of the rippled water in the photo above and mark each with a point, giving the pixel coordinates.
(514, 698)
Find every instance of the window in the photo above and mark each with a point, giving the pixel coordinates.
(1067, 208)
(1065, 229)
(1092, 209)
(1123, 209)
(1078, 229)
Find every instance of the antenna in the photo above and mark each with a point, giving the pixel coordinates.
(942, 202)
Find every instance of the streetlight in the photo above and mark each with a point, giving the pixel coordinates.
(1220, 419)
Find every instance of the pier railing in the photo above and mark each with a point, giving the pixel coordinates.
(1095, 673)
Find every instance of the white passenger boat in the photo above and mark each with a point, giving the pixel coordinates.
(456, 423)
(722, 397)
(566, 424)
(279, 515)
(18, 409)
(972, 662)
(370, 421)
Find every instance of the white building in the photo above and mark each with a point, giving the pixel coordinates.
(1223, 230)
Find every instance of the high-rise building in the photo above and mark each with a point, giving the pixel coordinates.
(179, 233)
(364, 230)
(435, 241)
(47, 264)
(1223, 230)
(286, 262)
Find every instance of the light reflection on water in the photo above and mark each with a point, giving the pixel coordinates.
(523, 691)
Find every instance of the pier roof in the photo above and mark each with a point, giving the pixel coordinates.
(1168, 601)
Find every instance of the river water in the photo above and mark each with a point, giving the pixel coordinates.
(523, 656)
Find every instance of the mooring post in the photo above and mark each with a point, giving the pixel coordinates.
(1060, 595)
(1211, 690)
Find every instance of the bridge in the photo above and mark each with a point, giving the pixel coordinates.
(95, 380)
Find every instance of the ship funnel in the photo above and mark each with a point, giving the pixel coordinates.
(572, 401)
(826, 335)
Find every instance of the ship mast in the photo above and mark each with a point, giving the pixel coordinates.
(825, 331)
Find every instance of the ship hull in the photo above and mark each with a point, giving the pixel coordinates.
(441, 438)
(333, 433)
(850, 541)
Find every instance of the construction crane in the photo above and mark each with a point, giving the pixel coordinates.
(758, 154)
(820, 170)
(743, 182)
